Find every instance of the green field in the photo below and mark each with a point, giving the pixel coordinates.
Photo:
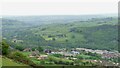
(9, 62)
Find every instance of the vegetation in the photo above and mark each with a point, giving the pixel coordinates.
(57, 55)
(93, 33)
(10, 62)
(14, 56)
(69, 32)
(5, 48)
(60, 60)
(17, 56)
(40, 49)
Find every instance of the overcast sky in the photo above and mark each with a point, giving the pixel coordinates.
(57, 7)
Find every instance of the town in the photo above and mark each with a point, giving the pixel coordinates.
(99, 57)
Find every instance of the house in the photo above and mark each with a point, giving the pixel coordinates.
(74, 58)
(27, 50)
(75, 52)
(16, 40)
(35, 53)
(60, 35)
(42, 57)
(31, 56)
(66, 54)
(47, 51)
(109, 55)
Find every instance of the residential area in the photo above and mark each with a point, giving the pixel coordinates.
(75, 55)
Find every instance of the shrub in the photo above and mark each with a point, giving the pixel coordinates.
(5, 48)
(17, 56)
(21, 48)
(57, 55)
(40, 49)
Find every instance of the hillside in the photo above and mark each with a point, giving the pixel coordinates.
(9, 62)
(95, 33)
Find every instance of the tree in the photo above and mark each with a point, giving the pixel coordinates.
(53, 39)
(73, 36)
(40, 49)
(5, 48)
(18, 56)
(21, 48)
(0, 49)
(33, 48)
(66, 40)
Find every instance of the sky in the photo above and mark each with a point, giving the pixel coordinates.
(57, 7)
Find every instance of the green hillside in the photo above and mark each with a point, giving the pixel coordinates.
(92, 33)
(8, 62)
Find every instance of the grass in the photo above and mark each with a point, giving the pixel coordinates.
(26, 53)
(0, 62)
(84, 56)
(9, 62)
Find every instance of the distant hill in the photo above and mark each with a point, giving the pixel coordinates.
(48, 19)
(96, 32)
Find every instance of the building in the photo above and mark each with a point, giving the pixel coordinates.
(35, 53)
(27, 50)
(75, 52)
(42, 57)
(47, 51)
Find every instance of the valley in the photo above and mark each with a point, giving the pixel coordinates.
(61, 40)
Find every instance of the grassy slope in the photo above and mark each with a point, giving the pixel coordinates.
(0, 62)
(9, 62)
